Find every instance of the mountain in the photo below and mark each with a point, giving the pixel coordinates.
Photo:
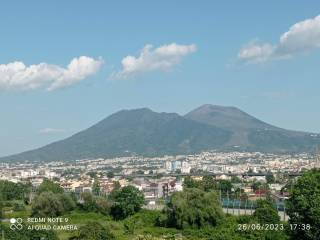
(226, 117)
(252, 134)
(139, 131)
(142, 131)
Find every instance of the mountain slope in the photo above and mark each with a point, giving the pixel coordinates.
(249, 133)
(140, 131)
(226, 117)
(145, 132)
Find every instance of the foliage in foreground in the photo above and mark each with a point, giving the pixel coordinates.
(26, 234)
(189, 215)
(127, 201)
(48, 204)
(193, 208)
(93, 231)
(266, 212)
(304, 206)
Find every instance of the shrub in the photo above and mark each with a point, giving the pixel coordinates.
(193, 208)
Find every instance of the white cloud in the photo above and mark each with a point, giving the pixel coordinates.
(51, 130)
(150, 59)
(254, 52)
(16, 75)
(301, 37)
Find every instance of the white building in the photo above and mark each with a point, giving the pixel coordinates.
(185, 167)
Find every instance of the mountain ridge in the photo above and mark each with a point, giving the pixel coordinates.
(250, 133)
(145, 132)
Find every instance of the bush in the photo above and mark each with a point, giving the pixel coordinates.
(95, 204)
(266, 212)
(93, 231)
(193, 208)
(89, 203)
(13, 191)
(67, 202)
(48, 204)
(18, 207)
(26, 234)
(49, 186)
(103, 206)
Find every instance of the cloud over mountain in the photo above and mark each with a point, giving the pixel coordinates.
(301, 37)
(151, 59)
(17, 76)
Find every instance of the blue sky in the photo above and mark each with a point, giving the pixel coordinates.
(227, 53)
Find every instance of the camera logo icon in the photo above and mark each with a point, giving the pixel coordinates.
(16, 224)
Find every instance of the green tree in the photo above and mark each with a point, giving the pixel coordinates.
(189, 182)
(1, 206)
(225, 185)
(266, 212)
(116, 185)
(47, 204)
(127, 201)
(110, 174)
(49, 186)
(235, 179)
(303, 206)
(96, 187)
(270, 178)
(92, 174)
(103, 206)
(193, 208)
(159, 175)
(67, 202)
(92, 203)
(13, 191)
(89, 203)
(116, 188)
(93, 231)
(256, 185)
(208, 183)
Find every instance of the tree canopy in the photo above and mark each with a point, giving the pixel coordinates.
(127, 201)
(208, 183)
(266, 212)
(270, 178)
(13, 191)
(49, 186)
(96, 187)
(193, 208)
(49, 204)
(93, 231)
(303, 205)
(91, 203)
